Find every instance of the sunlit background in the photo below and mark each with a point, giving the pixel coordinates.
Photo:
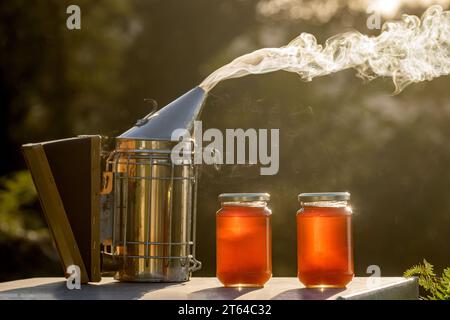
(337, 133)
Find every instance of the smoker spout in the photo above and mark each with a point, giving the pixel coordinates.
(179, 114)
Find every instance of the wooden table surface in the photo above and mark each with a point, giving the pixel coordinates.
(208, 288)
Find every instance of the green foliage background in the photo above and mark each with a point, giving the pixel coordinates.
(337, 133)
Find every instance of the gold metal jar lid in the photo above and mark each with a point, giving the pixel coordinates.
(324, 196)
(243, 197)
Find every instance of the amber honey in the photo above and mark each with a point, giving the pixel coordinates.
(324, 243)
(244, 249)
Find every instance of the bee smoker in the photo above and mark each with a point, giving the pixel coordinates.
(140, 220)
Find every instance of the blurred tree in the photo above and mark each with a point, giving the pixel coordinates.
(24, 240)
(175, 40)
(56, 82)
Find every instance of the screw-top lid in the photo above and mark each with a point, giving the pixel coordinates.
(324, 196)
(243, 197)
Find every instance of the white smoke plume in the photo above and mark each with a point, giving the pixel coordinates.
(409, 50)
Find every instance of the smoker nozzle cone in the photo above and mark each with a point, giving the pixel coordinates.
(179, 114)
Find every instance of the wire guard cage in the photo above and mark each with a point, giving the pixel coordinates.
(154, 212)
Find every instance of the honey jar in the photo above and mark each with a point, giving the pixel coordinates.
(324, 240)
(244, 244)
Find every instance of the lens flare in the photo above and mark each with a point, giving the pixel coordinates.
(387, 8)
(409, 50)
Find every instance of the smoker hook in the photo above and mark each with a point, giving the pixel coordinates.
(144, 120)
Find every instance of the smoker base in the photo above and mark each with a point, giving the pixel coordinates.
(393, 288)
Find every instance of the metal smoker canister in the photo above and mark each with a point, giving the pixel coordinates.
(154, 200)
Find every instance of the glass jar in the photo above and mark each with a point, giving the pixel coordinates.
(244, 240)
(324, 240)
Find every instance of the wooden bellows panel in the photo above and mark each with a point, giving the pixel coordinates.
(66, 174)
